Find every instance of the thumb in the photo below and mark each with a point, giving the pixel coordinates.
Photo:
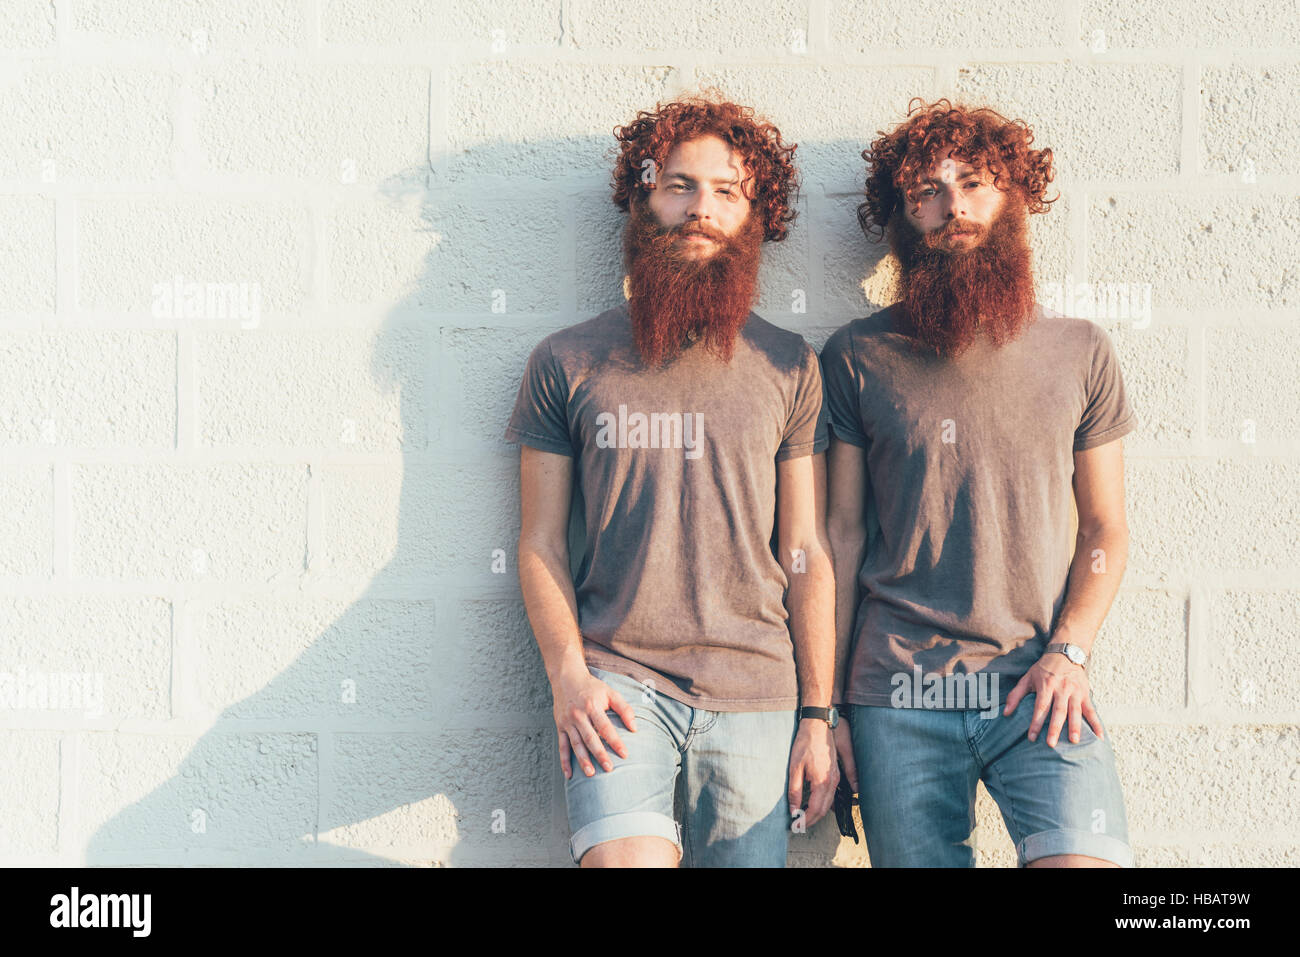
(1016, 694)
(849, 763)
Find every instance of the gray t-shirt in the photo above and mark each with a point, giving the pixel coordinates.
(969, 468)
(678, 583)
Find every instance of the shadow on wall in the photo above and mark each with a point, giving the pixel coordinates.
(407, 721)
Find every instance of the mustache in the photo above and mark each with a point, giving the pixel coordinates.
(956, 226)
(695, 229)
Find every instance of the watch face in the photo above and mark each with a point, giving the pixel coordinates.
(1076, 655)
(835, 716)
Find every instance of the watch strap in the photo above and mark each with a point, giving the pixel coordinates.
(823, 714)
(1064, 647)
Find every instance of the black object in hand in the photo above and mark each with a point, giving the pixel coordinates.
(844, 808)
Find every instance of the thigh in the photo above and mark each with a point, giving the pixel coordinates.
(916, 786)
(1061, 800)
(635, 798)
(735, 769)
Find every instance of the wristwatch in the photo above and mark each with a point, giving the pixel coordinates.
(1073, 652)
(830, 715)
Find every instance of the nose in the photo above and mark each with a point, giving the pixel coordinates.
(952, 205)
(700, 206)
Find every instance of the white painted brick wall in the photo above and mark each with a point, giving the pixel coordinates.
(271, 539)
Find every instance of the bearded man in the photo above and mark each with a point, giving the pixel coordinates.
(692, 428)
(966, 421)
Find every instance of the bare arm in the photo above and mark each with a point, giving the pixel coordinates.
(1101, 546)
(847, 530)
(580, 698)
(1100, 557)
(545, 492)
(805, 556)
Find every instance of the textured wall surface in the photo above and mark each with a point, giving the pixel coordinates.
(271, 269)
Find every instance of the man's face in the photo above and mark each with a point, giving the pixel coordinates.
(955, 205)
(967, 269)
(698, 193)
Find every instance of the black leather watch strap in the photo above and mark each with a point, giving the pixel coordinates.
(829, 715)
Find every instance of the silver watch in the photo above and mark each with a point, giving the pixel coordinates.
(1073, 652)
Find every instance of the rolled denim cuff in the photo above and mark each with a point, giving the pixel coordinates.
(1071, 841)
(617, 826)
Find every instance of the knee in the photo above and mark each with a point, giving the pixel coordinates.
(633, 852)
(1070, 860)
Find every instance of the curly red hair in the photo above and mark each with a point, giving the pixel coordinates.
(984, 138)
(773, 184)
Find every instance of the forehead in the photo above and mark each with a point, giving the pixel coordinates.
(705, 158)
(947, 166)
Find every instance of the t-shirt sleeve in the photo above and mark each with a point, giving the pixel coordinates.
(805, 430)
(540, 418)
(843, 405)
(1107, 415)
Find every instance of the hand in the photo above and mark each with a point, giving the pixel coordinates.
(812, 761)
(1061, 686)
(581, 700)
(844, 747)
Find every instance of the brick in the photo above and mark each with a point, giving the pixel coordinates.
(246, 792)
(405, 526)
(326, 124)
(27, 250)
(222, 523)
(289, 659)
(1248, 647)
(907, 26)
(1203, 251)
(767, 27)
(342, 390)
(1249, 385)
(1247, 127)
(29, 793)
(539, 120)
(101, 388)
(131, 250)
(416, 790)
(98, 657)
(90, 123)
(26, 507)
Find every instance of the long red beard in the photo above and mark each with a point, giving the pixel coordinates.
(951, 297)
(672, 296)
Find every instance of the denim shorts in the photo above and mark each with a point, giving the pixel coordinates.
(918, 768)
(728, 768)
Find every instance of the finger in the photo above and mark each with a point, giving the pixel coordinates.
(1060, 710)
(823, 795)
(619, 705)
(1042, 704)
(605, 728)
(593, 743)
(565, 764)
(1094, 719)
(850, 765)
(580, 752)
(1075, 722)
(794, 793)
(1016, 694)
